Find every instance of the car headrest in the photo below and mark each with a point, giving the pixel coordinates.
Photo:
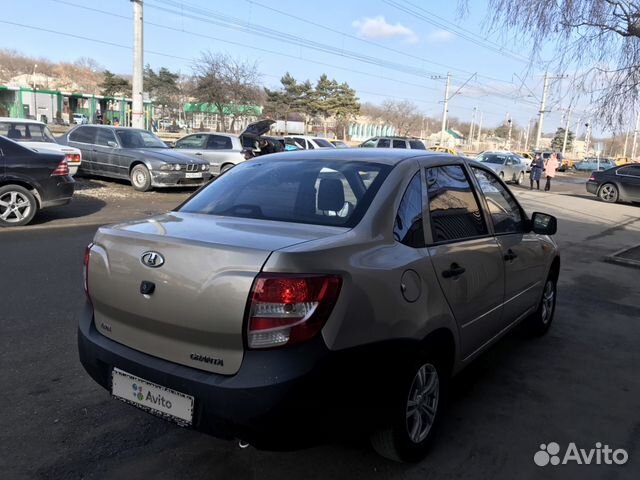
(331, 194)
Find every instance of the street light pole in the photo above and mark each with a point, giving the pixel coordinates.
(35, 97)
(566, 132)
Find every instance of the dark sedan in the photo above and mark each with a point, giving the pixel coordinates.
(618, 184)
(135, 155)
(30, 181)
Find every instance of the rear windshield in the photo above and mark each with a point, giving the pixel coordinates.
(26, 132)
(320, 192)
(417, 145)
(495, 159)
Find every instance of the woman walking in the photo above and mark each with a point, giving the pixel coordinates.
(536, 171)
(550, 170)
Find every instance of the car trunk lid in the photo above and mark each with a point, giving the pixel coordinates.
(176, 286)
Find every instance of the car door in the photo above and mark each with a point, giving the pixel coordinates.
(220, 151)
(83, 138)
(629, 179)
(522, 251)
(466, 257)
(107, 156)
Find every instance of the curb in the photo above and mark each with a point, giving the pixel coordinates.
(627, 262)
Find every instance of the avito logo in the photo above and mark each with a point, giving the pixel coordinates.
(600, 455)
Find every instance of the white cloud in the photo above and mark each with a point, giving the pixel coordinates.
(378, 27)
(440, 36)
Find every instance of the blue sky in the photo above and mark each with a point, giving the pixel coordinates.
(382, 31)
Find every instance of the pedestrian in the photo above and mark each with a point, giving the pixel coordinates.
(550, 170)
(536, 171)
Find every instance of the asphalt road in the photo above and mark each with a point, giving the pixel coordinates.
(578, 384)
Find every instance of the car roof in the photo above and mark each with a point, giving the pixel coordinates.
(221, 134)
(20, 120)
(387, 156)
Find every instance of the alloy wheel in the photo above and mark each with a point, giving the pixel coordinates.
(14, 207)
(608, 193)
(548, 303)
(422, 402)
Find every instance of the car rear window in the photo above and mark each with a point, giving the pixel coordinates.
(417, 145)
(320, 192)
(494, 159)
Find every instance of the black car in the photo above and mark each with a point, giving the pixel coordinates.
(136, 155)
(618, 184)
(30, 181)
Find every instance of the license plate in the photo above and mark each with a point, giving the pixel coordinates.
(193, 175)
(156, 399)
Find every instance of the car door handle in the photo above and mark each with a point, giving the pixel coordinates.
(454, 270)
(510, 255)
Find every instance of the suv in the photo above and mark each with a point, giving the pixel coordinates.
(303, 293)
(394, 142)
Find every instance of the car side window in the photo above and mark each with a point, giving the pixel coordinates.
(82, 135)
(453, 207)
(399, 144)
(408, 228)
(506, 215)
(632, 171)
(104, 136)
(384, 143)
(192, 141)
(369, 143)
(219, 142)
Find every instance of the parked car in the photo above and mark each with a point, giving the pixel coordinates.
(308, 142)
(222, 150)
(623, 161)
(80, 119)
(510, 167)
(591, 164)
(30, 181)
(271, 301)
(393, 142)
(566, 164)
(437, 148)
(619, 184)
(135, 155)
(339, 144)
(36, 135)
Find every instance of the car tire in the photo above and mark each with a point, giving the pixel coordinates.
(18, 206)
(520, 179)
(140, 178)
(501, 175)
(226, 167)
(540, 321)
(407, 437)
(608, 193)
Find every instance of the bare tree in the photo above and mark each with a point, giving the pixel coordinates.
(403, 115)
(230, 85)
(599, 39)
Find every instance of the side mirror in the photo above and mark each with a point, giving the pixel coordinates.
(112, 144)
(544, 224)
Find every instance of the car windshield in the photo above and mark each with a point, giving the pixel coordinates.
(130, 138)
(26, 132)
(321, 142)
(320, 192)
(493, 159)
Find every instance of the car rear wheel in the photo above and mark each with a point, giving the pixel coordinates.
(140, 178)
(415, 413)
(608, 193)
(520, 178)
(501, 175)
(18, 206)
(225, 167)
(540, 321)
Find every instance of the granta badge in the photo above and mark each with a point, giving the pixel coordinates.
(152, 259)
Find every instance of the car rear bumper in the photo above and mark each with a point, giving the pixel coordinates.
(57, 191)
(592, 187)
(177, 179)
(279, 399)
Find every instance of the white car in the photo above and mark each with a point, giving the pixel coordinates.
(309, 142)
(37, 136)
(80, 119)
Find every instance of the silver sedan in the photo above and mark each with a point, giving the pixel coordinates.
(304, 293)
(509, 166)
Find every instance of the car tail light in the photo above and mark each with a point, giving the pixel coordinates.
(85, 269)
(72, 157)
(592, 178)
(61, 170)
(287, 309)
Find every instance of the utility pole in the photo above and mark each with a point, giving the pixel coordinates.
(510, 123)
(545, 90)
(635, 138)
(526, 135)
(566, 132)
(137, 113)
(473, 121)
(626, 141)
(445, 109)
(479, 129)
(587, 138)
